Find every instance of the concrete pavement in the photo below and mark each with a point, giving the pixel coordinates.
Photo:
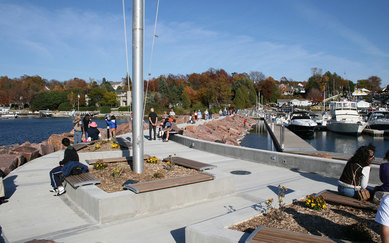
(34, 213)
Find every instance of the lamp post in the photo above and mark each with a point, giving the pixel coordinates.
(78, 102)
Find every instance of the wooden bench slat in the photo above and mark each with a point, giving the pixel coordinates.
(191, 163)
(80, 146)
(82, 180)
(167, 183)
(332, 196)
(113, 160)
(266, 234)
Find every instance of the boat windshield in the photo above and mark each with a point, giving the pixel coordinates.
(300, 116)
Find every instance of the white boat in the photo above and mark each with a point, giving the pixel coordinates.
(378, 120)
(345, 118)
(300, 122)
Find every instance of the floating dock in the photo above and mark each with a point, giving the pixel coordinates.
(374, 132)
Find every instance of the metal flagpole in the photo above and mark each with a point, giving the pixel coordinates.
(137, 77)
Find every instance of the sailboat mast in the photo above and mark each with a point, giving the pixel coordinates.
(137, 77)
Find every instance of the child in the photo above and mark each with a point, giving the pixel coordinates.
(113, 125)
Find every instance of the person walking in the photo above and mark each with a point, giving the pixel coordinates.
(77, 126)
(153, 119)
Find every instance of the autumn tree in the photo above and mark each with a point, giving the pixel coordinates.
(269, 89)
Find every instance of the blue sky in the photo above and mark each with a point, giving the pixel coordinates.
(85, 39)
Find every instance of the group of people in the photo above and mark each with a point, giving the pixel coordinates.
(165, 127)
(355, 177)
(89, 129)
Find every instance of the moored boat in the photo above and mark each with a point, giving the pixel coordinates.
(345, 118)
(301, 123)
(378, 120)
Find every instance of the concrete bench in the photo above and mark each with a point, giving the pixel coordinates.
(335, 197)
(113, 160)
(167, 183)
(190, 163)
(82, 180)
(264, 234)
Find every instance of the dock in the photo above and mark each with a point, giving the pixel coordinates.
(374, 132)
(285, 140)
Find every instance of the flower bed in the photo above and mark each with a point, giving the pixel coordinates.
(334, 221)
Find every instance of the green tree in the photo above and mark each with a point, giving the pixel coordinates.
(185, 100)
(49, 100)
(241, 99)
(96, 96)
(109, 99)
(106, 85)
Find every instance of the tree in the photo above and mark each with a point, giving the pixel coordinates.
(241, 99)
(48, 100)
(375, 83)
(269, 89)
(256, 77)
(95, 96)
(106, 85)
(185, 100)
(315, 96)
(109, 99)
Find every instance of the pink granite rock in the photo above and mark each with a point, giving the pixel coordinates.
(28, 152)
(9, 162)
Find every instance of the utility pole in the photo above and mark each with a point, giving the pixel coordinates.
(137, 77)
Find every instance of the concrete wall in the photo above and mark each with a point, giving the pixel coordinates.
(326, 167)
(105, 207)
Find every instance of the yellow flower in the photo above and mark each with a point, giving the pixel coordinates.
(168, 162)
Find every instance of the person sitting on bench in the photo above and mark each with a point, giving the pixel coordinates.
(355, 175)
(384, 175)
(68, 166)
(167, 127)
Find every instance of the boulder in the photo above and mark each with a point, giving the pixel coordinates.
(43, 147)
(9, 162)
(56, 141)
(28, 152)
(190, 129)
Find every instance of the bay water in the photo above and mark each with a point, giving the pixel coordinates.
(322, 141)
(36, 130)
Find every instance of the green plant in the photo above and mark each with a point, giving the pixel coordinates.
(269, 204)
(281, 195)
(315, 202)
(100, 166)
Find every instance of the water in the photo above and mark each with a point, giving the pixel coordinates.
(258, 138)
(321, 140)
(36, 130)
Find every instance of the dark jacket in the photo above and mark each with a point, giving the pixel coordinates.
(93, 133)
(384, 176)
(349, 171)
(70, 155)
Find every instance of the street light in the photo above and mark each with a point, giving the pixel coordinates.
(78, 102)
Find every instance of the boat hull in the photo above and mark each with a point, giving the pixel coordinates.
(301, 129)
(343, 127)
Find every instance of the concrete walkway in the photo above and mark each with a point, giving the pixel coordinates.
(34, 213)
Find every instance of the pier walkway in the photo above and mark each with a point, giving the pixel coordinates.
(287, 140)
(34, 213)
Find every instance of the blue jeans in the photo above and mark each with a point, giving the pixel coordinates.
(345, 191)
(77, 137)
